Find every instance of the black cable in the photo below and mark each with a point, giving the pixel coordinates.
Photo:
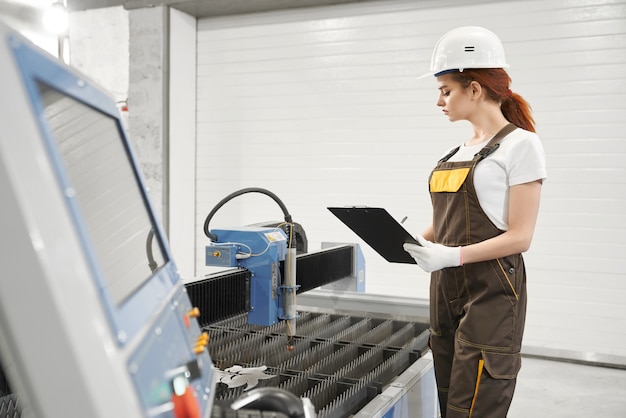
(151, 262)
(213, 237)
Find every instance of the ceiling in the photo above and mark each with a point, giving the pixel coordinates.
(206, 8)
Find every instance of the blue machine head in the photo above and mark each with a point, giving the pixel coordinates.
(259, 250)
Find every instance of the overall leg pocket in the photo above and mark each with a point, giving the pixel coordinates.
(497, 374)
(489, 313)
(502, 365)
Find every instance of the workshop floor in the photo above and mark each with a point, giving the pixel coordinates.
(557, 389)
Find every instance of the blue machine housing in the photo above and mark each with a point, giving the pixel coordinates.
(260, 250)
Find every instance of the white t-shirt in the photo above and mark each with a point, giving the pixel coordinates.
(519, 159)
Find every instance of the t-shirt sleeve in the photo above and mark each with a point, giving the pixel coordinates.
(527, 160)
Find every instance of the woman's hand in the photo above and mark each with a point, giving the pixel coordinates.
(432, 257)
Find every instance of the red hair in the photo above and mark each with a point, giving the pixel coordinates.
(496, 83)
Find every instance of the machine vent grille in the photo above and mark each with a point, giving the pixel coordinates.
(221, 296)
(9, 407)
(316, 269)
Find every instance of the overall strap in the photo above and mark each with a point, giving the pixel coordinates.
(448, 155)
(494, 143)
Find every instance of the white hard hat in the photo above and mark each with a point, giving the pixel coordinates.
(467, 47)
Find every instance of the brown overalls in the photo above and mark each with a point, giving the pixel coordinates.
(477, 310)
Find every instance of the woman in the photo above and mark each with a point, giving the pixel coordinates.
(485, 196)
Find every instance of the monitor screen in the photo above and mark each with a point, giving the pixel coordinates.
(107, 192)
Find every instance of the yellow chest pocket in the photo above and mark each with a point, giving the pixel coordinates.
(448, 180)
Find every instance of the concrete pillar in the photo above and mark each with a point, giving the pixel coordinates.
(148, 100)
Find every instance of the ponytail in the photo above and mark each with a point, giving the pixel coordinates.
(517, 111)
(496, 82)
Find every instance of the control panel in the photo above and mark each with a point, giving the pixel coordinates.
(171, 366)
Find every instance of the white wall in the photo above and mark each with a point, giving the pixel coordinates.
(182, 141)
(99, 48)
(322, 107)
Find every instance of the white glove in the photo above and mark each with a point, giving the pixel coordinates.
(432, 257)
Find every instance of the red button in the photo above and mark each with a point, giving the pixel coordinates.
(186, 405)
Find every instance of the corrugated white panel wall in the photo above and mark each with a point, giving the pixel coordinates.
(322, 107)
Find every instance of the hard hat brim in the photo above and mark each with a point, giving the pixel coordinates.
(442, 72)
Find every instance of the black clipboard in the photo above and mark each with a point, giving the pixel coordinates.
(379, 230)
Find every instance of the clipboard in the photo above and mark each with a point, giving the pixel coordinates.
(379, 230)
